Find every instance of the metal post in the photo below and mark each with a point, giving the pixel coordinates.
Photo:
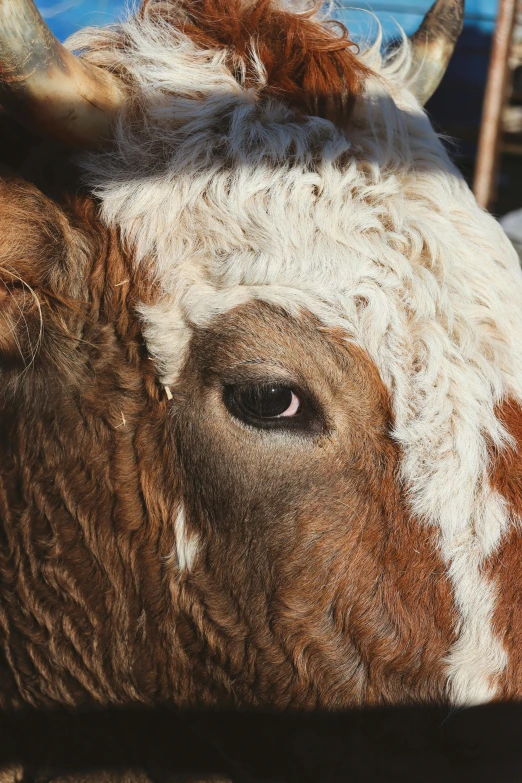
(484, 185)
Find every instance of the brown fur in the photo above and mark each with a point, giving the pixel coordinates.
(79, 522)
(505, 567)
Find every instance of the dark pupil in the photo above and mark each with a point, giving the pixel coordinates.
(265, 402)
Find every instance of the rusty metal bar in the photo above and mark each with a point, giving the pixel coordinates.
(484, 185)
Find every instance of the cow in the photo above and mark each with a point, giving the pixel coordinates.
(261, 371)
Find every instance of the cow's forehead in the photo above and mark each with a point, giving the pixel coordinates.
(231, 196)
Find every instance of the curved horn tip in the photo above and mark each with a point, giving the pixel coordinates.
(45, 87)
(432, 46)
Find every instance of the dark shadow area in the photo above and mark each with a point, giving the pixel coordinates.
(401, 744)
(456, 106)
(15, 143)
(456, 111)
(23, 154)
(52, 167)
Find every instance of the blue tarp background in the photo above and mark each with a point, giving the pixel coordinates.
(65, 16)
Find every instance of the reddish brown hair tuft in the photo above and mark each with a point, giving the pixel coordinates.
(310, 64)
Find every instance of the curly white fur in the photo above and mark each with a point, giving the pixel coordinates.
(372, 229)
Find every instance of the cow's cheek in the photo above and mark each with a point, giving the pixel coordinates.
(245, 489)
(267, 508)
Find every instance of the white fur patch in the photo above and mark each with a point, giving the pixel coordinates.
(185, 551)
(477, 656)
(373, 230)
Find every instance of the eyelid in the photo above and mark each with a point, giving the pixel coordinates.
(262, 374)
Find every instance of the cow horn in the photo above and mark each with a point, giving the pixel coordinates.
(47, 88)
(432, 46)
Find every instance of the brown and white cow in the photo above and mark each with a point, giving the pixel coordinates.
(260, 372)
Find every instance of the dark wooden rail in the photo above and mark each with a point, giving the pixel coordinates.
(403, 744)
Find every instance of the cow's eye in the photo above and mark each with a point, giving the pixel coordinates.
(270, 405)
(267, 402)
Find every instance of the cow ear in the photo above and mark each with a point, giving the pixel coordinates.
(432, 46)
(44, 86)
(33, 252)
(21, 325)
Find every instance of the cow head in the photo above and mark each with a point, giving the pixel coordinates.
(255, 355)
